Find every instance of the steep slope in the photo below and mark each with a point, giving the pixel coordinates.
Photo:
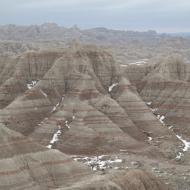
(78, 102)
(165, 87)
(21, 72)
(78, 95)
(133, 180)
(26, 165)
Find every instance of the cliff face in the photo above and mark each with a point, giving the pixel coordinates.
(77, 102)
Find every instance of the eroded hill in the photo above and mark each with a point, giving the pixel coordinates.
(71, 119)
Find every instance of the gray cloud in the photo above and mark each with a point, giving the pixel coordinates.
(162, 15)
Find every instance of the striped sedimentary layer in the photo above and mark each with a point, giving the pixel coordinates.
(165, 87)
(77, 102)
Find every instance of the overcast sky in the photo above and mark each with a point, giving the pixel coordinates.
(161, 15)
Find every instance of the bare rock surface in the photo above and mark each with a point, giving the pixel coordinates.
(71, 119)
(166, 88)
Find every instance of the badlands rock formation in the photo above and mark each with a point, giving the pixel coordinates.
(85, 90)
(57, 106)
(165, 86)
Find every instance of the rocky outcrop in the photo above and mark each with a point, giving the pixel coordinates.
(18, 73)
(24, 164)
(85, 90)
(78, 102)
(166, 87)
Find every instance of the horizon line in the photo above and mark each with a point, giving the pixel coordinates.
(158, 31)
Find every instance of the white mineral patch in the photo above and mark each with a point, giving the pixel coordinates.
(123, 150)
(57, 105)
(186, 143)
(161, 118)
(179, 155)
(123, 65)
(55, 138)
(31, 84)
(171, 127)
(43, 93)
(98, 162)
(49, 146)
(112, 86)
(154, 110)
(67, 125)
(140, 62)
(148, 103)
